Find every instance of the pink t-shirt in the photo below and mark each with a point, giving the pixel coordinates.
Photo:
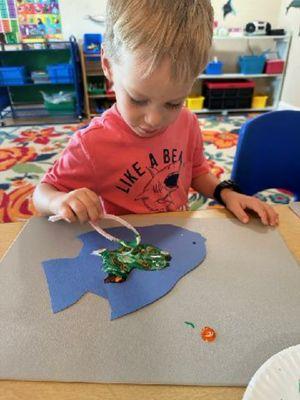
(132, 174)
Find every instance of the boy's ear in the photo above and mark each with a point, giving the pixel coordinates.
(106, 67)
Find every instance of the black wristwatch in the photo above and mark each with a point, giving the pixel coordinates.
(229, 184)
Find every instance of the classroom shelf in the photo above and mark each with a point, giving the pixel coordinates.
(265, 84)
(29, 103)
(92, 75)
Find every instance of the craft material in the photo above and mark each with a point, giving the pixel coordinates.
(120, 262)
(191, 324)
(208, 334)
(55, 218)
(70, 278)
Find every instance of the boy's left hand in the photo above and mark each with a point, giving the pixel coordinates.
(237, 203)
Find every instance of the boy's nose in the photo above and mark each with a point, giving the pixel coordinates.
(153, 119)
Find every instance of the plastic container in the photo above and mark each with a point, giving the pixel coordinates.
(274, 66)
(59, 103)
(39, 77)
(252, 64)
(12, 76)
(214, 68)
(195, 103)
(60, 73)
(259, 101)
(222, 95)
(92, 43)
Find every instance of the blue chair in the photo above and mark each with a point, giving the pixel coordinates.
(268, 153)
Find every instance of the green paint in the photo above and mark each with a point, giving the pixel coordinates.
(130, 255)
(190, 324)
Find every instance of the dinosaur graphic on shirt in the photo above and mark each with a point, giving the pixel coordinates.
(157, 193)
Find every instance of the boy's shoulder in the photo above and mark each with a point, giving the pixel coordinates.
(99, 128)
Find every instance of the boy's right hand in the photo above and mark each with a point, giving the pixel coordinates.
(79, 205)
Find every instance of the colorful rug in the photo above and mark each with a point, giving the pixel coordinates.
(27, 153)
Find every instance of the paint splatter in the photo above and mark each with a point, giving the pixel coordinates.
(190, 324)
(208, 334)
(120, 262)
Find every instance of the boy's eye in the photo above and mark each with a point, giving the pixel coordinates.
(174, 106)
(138, 102)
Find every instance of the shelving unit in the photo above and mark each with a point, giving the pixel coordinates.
(26, 103)
(269, 84)
(92, 74)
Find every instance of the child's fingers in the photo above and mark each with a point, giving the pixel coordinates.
(92, 206)
(79, 210)
(239, 212)
(273, 216)
(96, 201)
(260, 211)
(67, 214)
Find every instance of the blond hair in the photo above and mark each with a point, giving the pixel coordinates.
(179, 30)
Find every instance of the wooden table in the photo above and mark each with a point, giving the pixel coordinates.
(290, 230)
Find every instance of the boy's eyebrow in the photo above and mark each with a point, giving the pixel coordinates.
(136, 94)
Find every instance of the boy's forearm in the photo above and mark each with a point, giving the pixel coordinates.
(205, 184)
(43, 197)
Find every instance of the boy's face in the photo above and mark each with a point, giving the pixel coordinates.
(148, 105)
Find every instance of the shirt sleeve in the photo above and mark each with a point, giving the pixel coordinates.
(200, 163)
(74, 169)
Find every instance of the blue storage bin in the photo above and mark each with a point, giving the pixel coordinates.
(214, 68)
(89, 39)
(252, 64)
(12, 76)
(60, 73)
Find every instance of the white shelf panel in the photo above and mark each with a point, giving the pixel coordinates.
(249, 37)
(207, 111)
(237, 75)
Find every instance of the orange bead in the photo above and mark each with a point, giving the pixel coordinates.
(208, 334)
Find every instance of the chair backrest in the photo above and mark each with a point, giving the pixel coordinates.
(268, 153)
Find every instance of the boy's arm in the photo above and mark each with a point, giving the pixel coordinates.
(235, 202)
(69, 188)
(80, 204)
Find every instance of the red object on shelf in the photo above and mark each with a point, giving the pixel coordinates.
(236, 84)
(274, 66)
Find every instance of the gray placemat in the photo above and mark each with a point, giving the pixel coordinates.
(247, 289)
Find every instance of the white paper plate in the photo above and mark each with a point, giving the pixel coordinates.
(278, 378)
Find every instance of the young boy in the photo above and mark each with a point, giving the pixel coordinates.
(144, 154)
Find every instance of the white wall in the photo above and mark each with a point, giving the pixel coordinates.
(74, 21)
(74, 16)
(291, 89)
(246, 11)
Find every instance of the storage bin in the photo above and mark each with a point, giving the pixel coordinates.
(92, 43)
(259, 101)
(226, 94)
(214, 68)
(274, 66)
(59, 103)
(60, 73)
(195, 103)
(252, 64)
(65, 107)
(11, 76)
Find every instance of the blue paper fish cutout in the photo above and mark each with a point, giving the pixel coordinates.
(70, 278)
